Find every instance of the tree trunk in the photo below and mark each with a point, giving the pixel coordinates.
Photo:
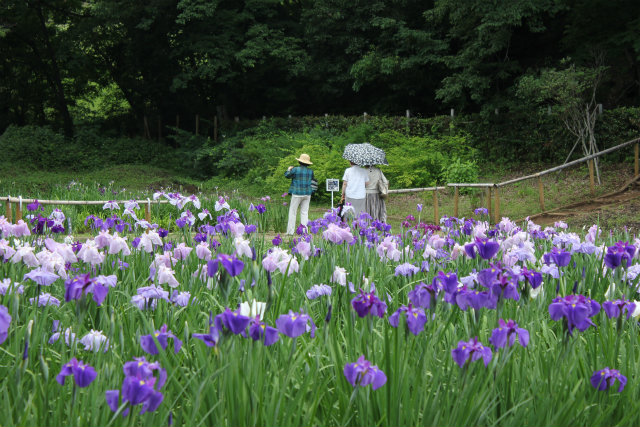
(56, 80)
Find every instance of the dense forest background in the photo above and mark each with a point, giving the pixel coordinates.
(90, 80)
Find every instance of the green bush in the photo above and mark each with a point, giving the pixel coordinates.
(39, 147)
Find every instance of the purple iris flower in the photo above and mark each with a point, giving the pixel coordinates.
(505, 287)
(475, 299)
(162, 232)
(506, 334)
(488, 276)
(533, 277)
(31, 207)
(369, 303)
(416, 318)
(250, 228)
(615, 308)
(82, 374)
(363, 373)
(140, 386)
(619, 254)
(481, 211)
(487, 248)
(83, 284)
(231, 264)
(260, 331)
(148, 344)
(211, 339)
(5, 321)
(606, 378)
(448, 281)
(295, 324)
(261, 208)
(560, 258)
(232, 320)
(406, 269)
(181, 222)
(576, 309)
(277, 240)
(424, 295)
(470, 250)
(470, 352)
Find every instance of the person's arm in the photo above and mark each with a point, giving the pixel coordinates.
(289, 172)
(344, 189)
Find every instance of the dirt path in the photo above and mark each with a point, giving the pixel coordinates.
(623, 198)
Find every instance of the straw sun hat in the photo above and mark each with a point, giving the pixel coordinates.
(304, 158)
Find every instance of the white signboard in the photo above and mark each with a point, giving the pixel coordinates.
(333, 184)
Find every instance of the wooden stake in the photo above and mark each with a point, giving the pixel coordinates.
(489, 207)
(197, 124)
(436, 215)
(8, 210)
(497, 207)
(541, 193)
(215, 128)
(18, 211)
(455, 200)
(592, 185)
(636, 151)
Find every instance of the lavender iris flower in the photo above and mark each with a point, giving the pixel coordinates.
(615, 308)
(576, 309)
(295, 324)
(260, 331)
(5, 321)
(148, 344)
(406, 269)
(487, 248)
(606, 378)
(41, 277)
(82, 374)
(416, 318)
(471, 351)
(317, 291)
(506, 334)
(470, 250)
(363, 373)
(369, 303)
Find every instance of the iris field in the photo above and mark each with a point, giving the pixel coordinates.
(202, 320)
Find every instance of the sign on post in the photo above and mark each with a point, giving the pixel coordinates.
(333, 185)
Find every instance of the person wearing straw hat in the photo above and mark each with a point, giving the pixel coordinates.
(300, 190)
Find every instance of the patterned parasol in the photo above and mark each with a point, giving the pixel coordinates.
(365, 154)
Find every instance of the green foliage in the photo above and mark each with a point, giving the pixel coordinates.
(460, 171)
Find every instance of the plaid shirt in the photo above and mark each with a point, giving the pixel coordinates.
(301, 180)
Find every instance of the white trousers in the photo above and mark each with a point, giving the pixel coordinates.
(303, 202)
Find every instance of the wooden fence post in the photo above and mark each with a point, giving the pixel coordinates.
(147, 210)
(436, 215)
(147, 131)
(8, 209)
(489, 203)
(541, 193)
(636, 152)
(496, 213)
(455, 201)
(592, 185)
